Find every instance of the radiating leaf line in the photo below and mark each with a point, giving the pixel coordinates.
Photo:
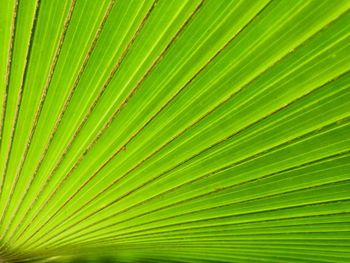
(115, 69)
(122, 148)
(212, 59)
(232, 236)
(217, 206)
(198, 245)
(261, 241)
(212, 232)
(258, 212)
(170, 246)
(173, 232)
(322, 160)
(133, 91)
(206, 240)
(41, 104)
(123, 196)
(291, 252)
(281, 194)
(13, 130)
(249, 243)
(158, 59)
(223, 241)
(247, 222)
(7, 80)
(244, 256)
(66, 103)
(166, 172)
(190, 131)
(8, 68)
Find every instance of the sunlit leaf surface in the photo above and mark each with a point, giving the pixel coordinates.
(175, 131)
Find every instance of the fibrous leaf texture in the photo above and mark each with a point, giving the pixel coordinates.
(174, 131)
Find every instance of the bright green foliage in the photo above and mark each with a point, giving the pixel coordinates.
(175, 131)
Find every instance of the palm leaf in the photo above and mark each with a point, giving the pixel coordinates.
(175, 131)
